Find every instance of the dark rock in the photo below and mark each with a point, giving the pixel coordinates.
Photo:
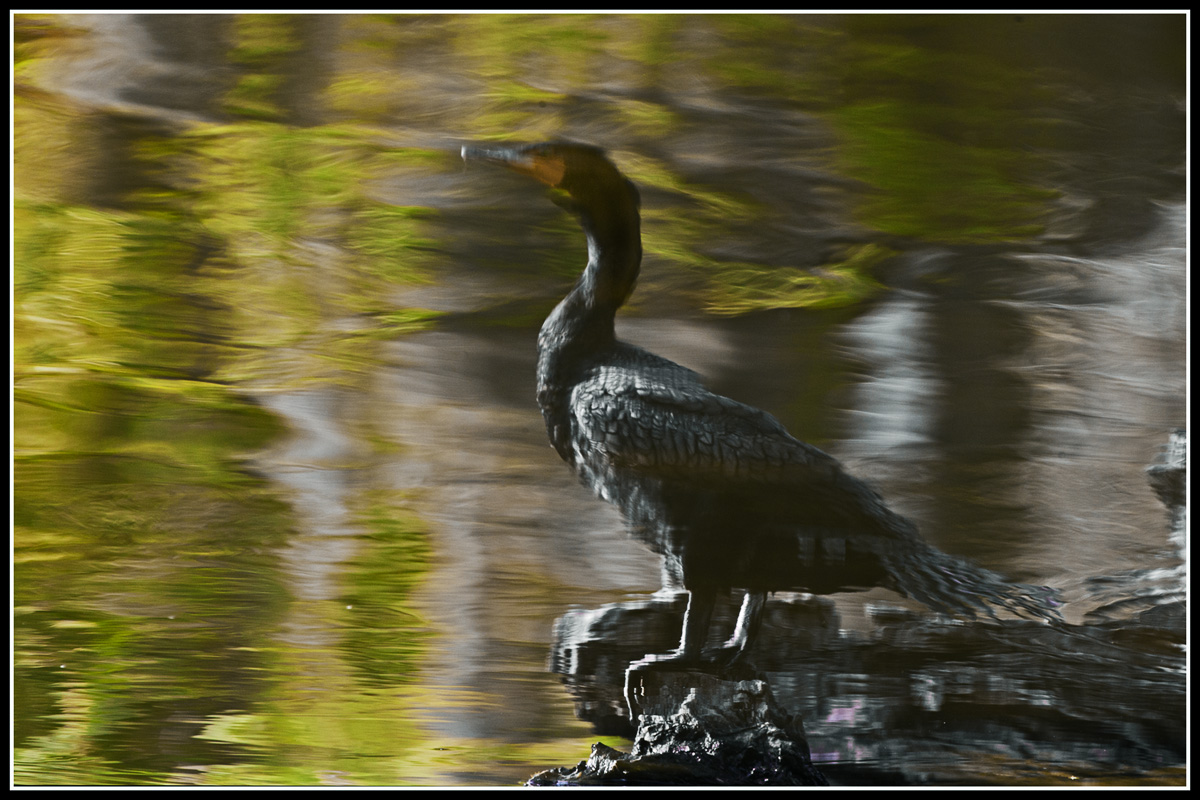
(700, 729)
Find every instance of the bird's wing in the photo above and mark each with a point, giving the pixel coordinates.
(663, 421)
(670, 428)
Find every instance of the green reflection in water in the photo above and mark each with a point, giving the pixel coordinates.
(748, 287)
(261, 46)
(386, 640)
(140, 594)
(180, 265)
(160, 268)
(759, 52)
(946, 132)
(562, 45)
(678, 234)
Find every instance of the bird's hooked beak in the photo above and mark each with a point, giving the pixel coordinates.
(549, 168)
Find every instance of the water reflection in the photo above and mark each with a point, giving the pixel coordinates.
(283, 509)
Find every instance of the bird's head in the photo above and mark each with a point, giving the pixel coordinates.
(593, 183)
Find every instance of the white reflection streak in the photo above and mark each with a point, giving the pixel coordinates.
(311, 465)
(890, 408)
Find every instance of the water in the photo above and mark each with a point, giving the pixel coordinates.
(285, 512)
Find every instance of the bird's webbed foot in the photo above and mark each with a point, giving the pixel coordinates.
(688, 654)
(691, 654)
(723, 657)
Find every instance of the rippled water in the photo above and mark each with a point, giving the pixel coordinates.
(285, 512)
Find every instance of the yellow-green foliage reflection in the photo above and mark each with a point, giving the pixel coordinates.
(931, 189)
(181, 262)
(741, 288)
(387, 638)
(154, 275)
(946, 135)
(677, 235)
(260, 47)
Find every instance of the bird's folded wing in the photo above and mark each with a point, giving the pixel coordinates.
(688, 432)
(669, 427)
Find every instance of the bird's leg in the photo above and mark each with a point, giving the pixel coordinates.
(695, 623)
(749, 618)
(695, 631)
(748, 621)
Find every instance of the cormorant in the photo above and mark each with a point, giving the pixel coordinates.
(719, 488)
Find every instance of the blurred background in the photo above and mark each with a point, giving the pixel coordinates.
(284, 508)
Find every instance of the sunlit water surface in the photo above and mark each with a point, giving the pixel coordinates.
(285, 510)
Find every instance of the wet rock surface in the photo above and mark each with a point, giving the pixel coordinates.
(701, 729)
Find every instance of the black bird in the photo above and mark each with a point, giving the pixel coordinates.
(720, 488)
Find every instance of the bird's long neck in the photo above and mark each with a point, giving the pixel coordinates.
(580, 329)
(584, 319)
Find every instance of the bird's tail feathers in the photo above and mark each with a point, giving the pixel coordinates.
(956, 586)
